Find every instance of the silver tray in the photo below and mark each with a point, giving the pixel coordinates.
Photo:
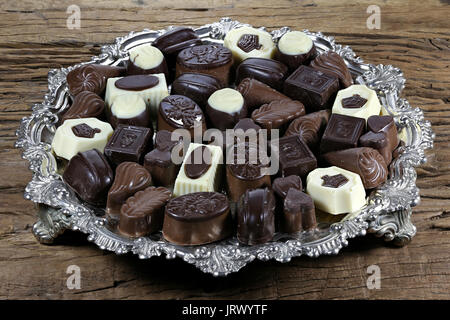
(387, 213)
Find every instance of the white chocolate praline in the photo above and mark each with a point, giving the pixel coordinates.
(267, 49)
(226, 100)
(146, 56)
(372, 106)
(152, 96)
(66, 144)
(128, 106)
(347, 198)
(294, 43)
(208, 182)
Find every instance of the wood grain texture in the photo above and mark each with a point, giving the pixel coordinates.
(414, 36)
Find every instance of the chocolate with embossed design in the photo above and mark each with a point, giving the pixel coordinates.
(128, 143)
(143, 213)
(294, 156)
(130, 178)
(366, 162)
(247, 175)
(332, 63)
(299, 212)
(91, 77)
(256, 93)
(89, 175)
(278, 113)
(159, 162)
(315, 89)
(342, 132)
(197, 218)
(309, 127)
(256, 217)
(86, 104)
(180, 112)
(199, 87)
(211, 59)
(268, 71)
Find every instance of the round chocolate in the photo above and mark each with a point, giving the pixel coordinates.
(197, 206)
(252, 168)
(204, 56)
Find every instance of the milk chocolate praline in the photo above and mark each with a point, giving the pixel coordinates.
(256, 93)
(211, 59)
(197, 218)
(332, 63)
(143, 213)
(86, 104)
(249, 175)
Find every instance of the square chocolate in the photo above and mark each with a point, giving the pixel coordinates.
(312, 87)
(128, 143)
(294, 156)
(342, 132)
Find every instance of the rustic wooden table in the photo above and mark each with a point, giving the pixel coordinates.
(414, 36)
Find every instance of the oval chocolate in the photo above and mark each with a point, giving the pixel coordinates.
(137, 82)
(198, 162)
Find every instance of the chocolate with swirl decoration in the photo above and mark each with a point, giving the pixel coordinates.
(86, 104)
(278, 113)
(197, 218)
(256, 93)
(309, 127)
(143, 213)
(366, 162)
(91, 77)
(333, 64)
(130, 178)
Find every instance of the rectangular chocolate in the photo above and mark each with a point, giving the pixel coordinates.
(312, 87)
(294, 156)
(128, 143)
(342, 132)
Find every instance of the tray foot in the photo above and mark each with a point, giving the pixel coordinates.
(51, 223)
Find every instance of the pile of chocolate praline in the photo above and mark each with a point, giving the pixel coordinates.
(116, 141)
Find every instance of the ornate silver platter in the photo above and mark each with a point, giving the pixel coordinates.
(387, 213)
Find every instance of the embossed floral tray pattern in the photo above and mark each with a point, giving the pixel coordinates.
(387, 213)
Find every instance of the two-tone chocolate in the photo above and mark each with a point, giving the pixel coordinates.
(91, 77)
(180, 112)
(196, 86)
(146, 59)
(159, 161)
(89, 175)
(128, 143)
(332, 63)
(357, 101)
(366, 162)
(211, 59)
(197, 218)
(276, 114)
(294, 49)
(342, 132)
(225, 108)
(312, 87)
(309, 127)
(129, 109)
(256, 217)
(299, 212)
(268, 71)
(256, 93)
(130, 178)
(143, 213)
(86, 104)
